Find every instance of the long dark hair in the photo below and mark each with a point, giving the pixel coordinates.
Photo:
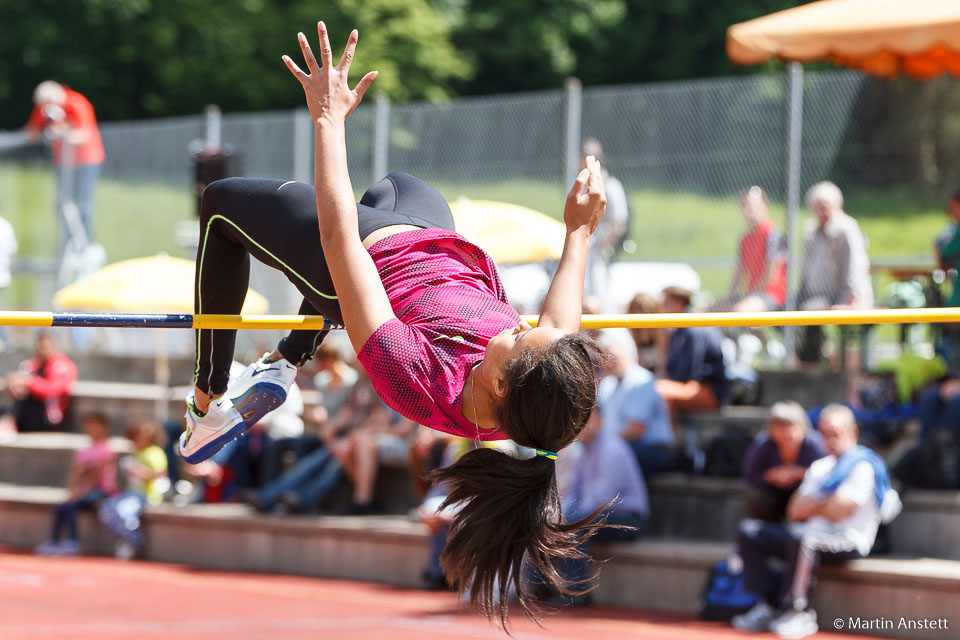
(510, 508)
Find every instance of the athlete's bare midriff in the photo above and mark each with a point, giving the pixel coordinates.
(386, 232)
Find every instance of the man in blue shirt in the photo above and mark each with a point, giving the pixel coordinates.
(696, 379)
(632, 408)
(592, 472)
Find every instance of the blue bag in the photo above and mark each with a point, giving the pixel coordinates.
(724, 596)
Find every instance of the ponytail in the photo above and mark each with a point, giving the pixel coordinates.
(509, 509)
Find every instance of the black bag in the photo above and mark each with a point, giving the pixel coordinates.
(725, 454)
(932, 464)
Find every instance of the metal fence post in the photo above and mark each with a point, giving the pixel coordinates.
(573, 102)
(381, 136)
(302, 146)
(792, 176)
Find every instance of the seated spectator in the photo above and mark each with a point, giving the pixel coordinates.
(334, 379)
(777, 461)
(93, 477)
(256, 456)
(435, 516)
(760, 280)
(604, 475)
(632, 408)
(382, 438)
(41, 387)
(306, 485)
(835, 270)
(834, 517)
(651, 343)
(695, 377)
(940, 407)
(145, 471)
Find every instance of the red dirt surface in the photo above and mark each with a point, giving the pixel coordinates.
(101, 598)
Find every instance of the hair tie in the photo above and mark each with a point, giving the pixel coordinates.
(549, 455)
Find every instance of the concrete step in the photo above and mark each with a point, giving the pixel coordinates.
(44, 458)
(121, 402)
(140, 369)
(670, 576)
(654, 575)
(680, 503)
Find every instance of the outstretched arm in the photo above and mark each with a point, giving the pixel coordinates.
(582, 213)
(363, 301)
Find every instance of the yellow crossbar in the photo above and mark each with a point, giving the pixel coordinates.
(287, 322)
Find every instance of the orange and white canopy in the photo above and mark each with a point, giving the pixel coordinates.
(918, 38)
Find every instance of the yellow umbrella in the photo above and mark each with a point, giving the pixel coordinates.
(510, 233)
(920, 38)
(157, 284)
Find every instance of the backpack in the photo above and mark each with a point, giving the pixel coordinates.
(724, 596)
(932, 464)
(725, 454)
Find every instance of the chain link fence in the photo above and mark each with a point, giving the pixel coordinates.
(683, 150)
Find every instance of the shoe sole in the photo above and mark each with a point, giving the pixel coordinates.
(258, 401)
(254, 403)
(210, 448)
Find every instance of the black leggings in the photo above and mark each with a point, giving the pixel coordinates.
(276, 222)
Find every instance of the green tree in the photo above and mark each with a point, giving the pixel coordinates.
(533, 45)
(140, 58)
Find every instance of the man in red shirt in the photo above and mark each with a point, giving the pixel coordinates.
(66, 118)
(41, 387)
(760, 281)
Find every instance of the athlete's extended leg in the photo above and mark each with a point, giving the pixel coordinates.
(272, 220)
(276, 222)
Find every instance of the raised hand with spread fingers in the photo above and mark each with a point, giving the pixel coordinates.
(328, 93)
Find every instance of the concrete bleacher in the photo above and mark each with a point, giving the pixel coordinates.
(652, 574)
(695, 520)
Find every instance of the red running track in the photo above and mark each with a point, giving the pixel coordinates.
(101, 598)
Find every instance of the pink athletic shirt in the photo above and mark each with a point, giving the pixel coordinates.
(449, 302)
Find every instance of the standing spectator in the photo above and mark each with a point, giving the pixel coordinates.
(946, 246)
(835, 272)
(760, 281)
(93, 477)
(777, 460)
(632, 408)
(834, 517)
(42, 387)
(605, 476)
(695, 378)
(66, 116)
(8, 249)
(610, 233)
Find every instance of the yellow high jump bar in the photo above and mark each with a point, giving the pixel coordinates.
(656, 320)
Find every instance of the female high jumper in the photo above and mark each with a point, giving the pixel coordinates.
(429, 319)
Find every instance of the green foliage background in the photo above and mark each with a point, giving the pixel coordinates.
(153, 58)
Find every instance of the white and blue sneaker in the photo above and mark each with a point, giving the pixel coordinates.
(206, 434)
(261, 388)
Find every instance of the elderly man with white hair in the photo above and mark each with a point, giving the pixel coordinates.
(835, 272)
(631, 406)
(834, 516)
